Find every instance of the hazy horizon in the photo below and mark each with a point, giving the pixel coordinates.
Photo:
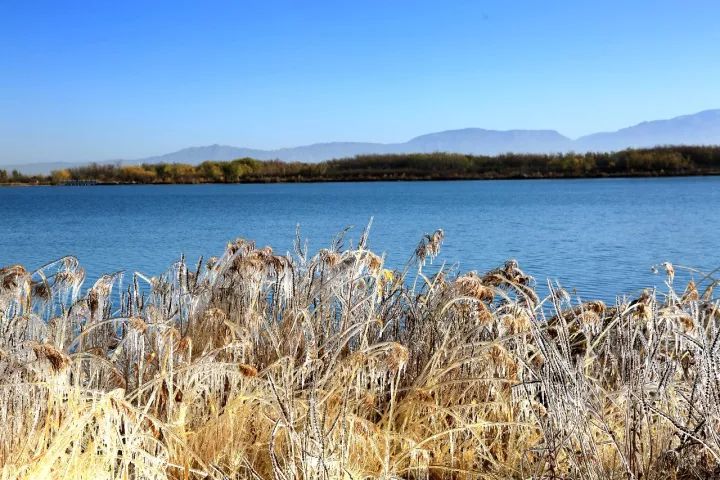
(105, 81)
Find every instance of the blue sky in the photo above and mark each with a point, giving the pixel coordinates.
(95, 80)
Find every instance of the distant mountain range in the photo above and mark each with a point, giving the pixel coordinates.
(699, 129)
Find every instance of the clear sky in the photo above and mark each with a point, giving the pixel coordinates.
(98, 80)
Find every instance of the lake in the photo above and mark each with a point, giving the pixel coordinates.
(599, 237)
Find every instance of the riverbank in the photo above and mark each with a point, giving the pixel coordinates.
(655, 162)
(257, 365)
(271, 181)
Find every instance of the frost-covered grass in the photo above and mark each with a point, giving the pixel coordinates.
(254, 365)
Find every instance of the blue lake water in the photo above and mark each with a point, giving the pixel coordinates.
(599, 237)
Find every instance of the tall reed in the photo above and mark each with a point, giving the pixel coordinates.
(266, 366)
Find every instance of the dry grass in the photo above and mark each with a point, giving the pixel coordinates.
(256, 365)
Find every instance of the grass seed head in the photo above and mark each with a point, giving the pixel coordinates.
(247, 370)
(691, 293)
(138, 324)
(13, 277)
(471, 285)
(57, 359)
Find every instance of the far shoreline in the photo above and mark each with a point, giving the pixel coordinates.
(372, 180)
(667, 161)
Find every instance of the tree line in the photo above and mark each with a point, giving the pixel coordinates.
(660, 161)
